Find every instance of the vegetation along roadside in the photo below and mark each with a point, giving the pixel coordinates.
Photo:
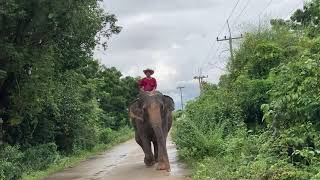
(58, 105)
(262, 120)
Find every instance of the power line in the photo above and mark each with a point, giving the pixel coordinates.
(208, 54)
(215, 65)
(227, 22)
(224, 25)
(234, 8)
(244, 8)
(264, 9)
(231, 13)
(221, 30)
(217, 50)
(240, 14)
(230, 40)
(261, 12)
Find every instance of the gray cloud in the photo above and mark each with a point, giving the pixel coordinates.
(177, 37)
(127, 7)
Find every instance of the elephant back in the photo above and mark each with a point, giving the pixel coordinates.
(151, 93)
(165, 99)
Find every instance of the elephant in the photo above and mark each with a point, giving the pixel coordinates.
(151, 117)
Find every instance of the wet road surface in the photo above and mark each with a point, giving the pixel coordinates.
(123, 162)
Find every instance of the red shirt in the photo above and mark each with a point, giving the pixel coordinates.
(148, 84)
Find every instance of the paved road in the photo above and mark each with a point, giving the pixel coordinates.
(123, 162)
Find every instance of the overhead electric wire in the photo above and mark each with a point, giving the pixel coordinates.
(264, 9)
(244, 8)
(224, 26)
(234, 8)
(240, 14)
(231, 13)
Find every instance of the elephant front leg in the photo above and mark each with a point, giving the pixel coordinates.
(149, 158)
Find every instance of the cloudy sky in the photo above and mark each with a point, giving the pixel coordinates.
(178, 37)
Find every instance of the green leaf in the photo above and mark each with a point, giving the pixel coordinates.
(3, 74)
(16, 120)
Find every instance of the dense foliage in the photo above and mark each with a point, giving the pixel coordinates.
(262, 120)
(55, 99)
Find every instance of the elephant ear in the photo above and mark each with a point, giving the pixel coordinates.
(169, 103)
(136, 111)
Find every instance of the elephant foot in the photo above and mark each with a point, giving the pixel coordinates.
(149, 161)
(163, 166)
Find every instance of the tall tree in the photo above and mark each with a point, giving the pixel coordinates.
(44, 46)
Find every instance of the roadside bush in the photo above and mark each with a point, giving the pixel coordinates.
(263, 119)
(296, 93)
(107, 135)
(11, 163)
(207, 123)
(40, 157)
(193, 143)
(177, 114)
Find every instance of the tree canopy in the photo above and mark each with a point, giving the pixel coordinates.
(51, 88)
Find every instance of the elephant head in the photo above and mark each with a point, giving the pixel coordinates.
(151, 105)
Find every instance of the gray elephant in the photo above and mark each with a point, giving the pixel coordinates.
(151, 116)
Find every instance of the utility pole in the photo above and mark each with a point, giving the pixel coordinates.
(230, 40)
(180, 88)
(200, 78)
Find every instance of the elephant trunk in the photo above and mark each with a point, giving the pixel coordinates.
(156, 122)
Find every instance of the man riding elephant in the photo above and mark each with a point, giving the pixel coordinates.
(148, 83)
(151, 116)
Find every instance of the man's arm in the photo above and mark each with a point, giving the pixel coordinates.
(140, 84)
(155, 84)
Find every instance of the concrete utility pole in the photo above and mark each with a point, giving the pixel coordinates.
(230, 40)
(180, 88)
(200, 78)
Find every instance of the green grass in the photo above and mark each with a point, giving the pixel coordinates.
(74, 160)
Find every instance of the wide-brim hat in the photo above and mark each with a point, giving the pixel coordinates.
(148, 70)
